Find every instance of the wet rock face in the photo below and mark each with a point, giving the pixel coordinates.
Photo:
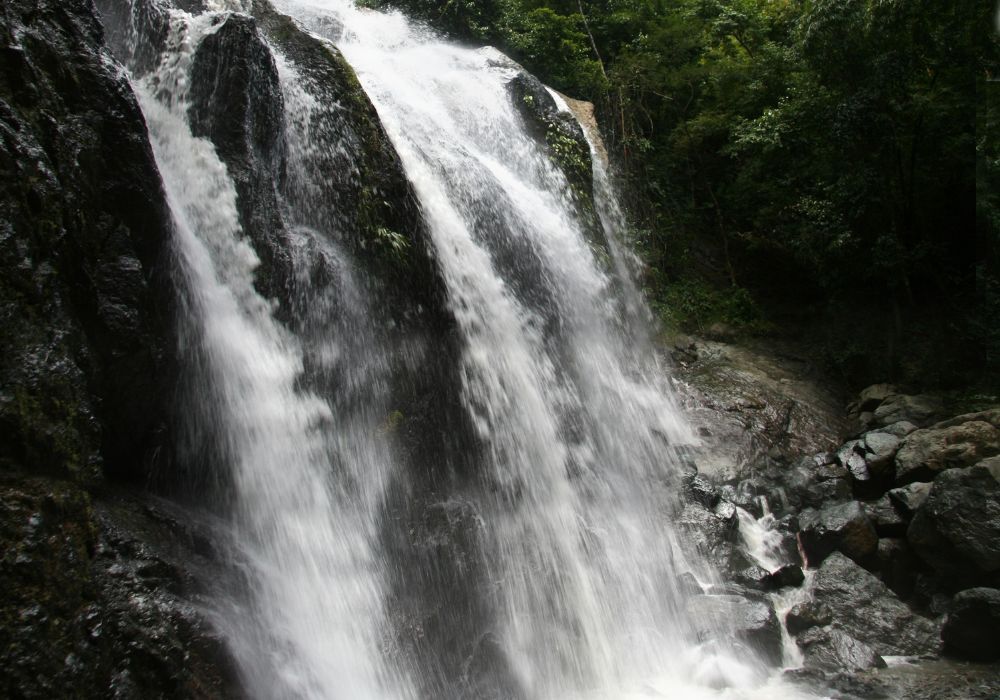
(972, 627)
(559, 131)
(88, 606)
(236, 102)
(83, 293)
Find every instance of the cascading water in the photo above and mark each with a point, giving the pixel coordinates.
(577, 486)
(311, 626)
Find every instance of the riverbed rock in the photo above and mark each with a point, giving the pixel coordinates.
(957, 529)
(844, 527)
(867, 610)
(753, 621)
(926, 453)
(807, 615)
(787, 575)
(829, 649)
(972, 626)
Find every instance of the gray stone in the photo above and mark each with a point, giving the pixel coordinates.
(844, 527)
(920, 410)
(807, 615)
(880, 449)
(957, 529)
(925, 453)
(867, 610)
(885, 517)
(900, 429)
(872, 396)
(834, 651)
(909, 498)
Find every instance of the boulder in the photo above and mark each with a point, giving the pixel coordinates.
(833, 651)
(885, 517)
(972, 626)
(880, 448)
(816, 494)
(925, 453)
(867, 610)
(844, 527)
(920, 410)
(237, 103)
(787, 575)
(957, 529)
(91, 607)
(872, 396)
(900, 429)
(807, 615)
(753, 621)
(754, 577)
(907, 499)
(702, 491)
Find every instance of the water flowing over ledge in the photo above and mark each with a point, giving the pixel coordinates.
(574, 482)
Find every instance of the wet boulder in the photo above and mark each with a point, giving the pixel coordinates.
(864, 608)
(754, 577)
(957, 529)
(804, 616)
(844, 527)
(789, 575)
(753, 621)
(953, 444)
(831, 650)
(972, 626)
(90, 605)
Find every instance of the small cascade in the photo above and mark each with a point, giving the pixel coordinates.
(763, 542)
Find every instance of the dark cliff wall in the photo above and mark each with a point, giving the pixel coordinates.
(90, 607)
(84, 296)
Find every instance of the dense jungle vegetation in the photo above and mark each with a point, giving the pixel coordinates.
(793, 166)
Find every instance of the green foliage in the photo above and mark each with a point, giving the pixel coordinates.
(391, 244)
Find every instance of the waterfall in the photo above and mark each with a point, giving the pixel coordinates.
(311, 623)
(577, 483)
